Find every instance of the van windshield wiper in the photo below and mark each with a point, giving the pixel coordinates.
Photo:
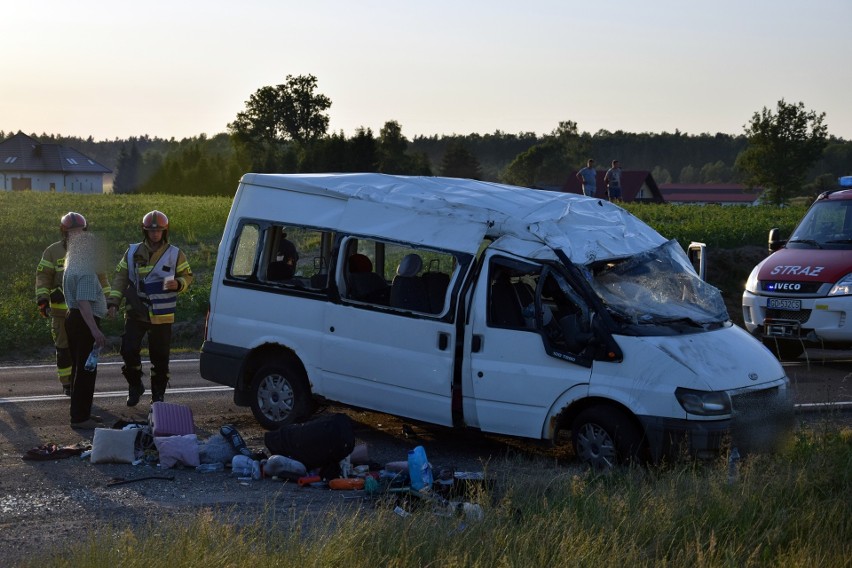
(806, 241)
(838, 241)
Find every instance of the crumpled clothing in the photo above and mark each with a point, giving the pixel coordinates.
(48, 452)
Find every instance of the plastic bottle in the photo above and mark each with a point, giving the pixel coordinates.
(210, 467)
(733, 462)
(92, 360)
(243, 466)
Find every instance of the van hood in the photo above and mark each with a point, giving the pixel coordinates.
(806, 265)
(723, 359)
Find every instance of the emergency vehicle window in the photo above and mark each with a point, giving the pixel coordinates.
(242, 265)
(295, 257)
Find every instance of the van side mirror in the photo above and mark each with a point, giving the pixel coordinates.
(775, 240)
(697, 253)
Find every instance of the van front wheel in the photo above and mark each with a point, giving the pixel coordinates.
(279, 396)
(604, 437)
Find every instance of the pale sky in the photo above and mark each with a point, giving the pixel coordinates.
(181, 68)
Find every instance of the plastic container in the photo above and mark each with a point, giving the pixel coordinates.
(419, 469)
(243, 466)
(92, 359)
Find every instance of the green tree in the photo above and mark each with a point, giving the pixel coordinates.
(550, 162)
(275, 116)
(127, 177)
(460, 162)
(782, 147)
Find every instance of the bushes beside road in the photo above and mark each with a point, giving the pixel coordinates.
(30, 222)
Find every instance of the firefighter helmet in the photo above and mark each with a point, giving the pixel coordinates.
(70, 221)
(155, 221)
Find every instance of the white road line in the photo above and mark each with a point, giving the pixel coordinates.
(110, 394)
(172, 363)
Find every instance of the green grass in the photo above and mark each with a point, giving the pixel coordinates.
(30, 222)
(790, 509)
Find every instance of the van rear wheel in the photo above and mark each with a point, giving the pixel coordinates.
(279, 396)
(604, 437)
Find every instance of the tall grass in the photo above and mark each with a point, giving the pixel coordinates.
(30, 222)
(790, 509)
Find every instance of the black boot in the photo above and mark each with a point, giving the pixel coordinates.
(158, 386)
(135, 389)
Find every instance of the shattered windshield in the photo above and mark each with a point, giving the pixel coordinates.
(659, 286)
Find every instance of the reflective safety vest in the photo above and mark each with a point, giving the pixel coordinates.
(160, 302)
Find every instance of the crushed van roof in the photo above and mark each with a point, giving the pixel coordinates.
(586, 229)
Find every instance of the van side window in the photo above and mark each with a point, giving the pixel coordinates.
(397, 276)
(528, 297)
(295, 257)
(245, 251)
(511, 289)
(282, 255)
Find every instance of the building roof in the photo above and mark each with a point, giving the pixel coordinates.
(22, 153)
(721, 193)
(632, 182)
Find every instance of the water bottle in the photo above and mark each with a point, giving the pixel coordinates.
(92, 360)
(243, 466)
(210, 467)
(733, 462)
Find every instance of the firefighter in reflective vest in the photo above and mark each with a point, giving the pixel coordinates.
(50, 298)
(149, 277)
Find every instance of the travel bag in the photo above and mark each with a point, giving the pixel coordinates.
(318, 443)
(170, 419)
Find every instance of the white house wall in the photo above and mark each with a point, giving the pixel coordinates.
(67, 183)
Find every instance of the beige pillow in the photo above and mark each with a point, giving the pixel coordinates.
(114, 446)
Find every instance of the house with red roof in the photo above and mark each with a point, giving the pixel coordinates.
(636, 185)
(27, 164)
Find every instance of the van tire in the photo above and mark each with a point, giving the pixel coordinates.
(279, 396)
(604, 437)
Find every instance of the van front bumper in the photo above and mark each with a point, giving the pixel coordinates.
(751, 429)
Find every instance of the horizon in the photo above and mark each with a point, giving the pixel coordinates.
(181, 70)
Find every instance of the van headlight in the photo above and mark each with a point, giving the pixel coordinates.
(843, 287)
(704, 403)
(753, 284)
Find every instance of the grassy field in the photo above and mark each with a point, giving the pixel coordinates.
(787, 510)
(30, 222)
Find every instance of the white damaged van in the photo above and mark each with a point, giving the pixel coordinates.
(471, 304)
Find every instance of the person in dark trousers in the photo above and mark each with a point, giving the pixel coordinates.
(49, 297)
(588, 178)
(149, 277)
(613, 182)
(86, 302)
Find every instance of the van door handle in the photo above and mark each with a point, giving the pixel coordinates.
(443, 341)
(476, 343)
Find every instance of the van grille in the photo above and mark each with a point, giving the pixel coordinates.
(800, 316)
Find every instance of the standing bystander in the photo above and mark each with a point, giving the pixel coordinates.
(50, 297)
(613, 182)
(588, 178)
(84, 296)
(149, 276)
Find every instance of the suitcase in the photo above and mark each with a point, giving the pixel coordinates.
(318, 443)
(170, 419)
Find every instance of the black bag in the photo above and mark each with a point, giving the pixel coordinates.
(321, 442)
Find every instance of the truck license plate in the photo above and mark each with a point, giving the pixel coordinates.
(784, 304)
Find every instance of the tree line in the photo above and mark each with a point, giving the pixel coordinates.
(284, 128)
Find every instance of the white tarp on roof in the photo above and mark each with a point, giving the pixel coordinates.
(586, 229)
